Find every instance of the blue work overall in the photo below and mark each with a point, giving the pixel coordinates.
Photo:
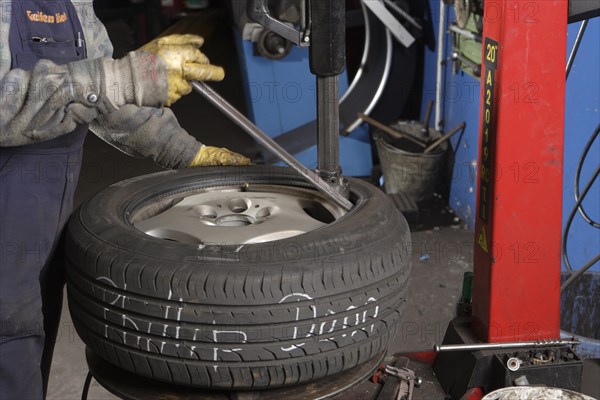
(37, 183)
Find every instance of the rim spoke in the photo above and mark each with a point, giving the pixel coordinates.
(293, 213)
(232, 216)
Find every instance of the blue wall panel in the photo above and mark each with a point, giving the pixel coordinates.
(582, 117)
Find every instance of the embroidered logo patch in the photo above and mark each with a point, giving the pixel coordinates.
(39, 16)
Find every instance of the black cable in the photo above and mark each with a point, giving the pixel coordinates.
(572, 217)
(586, 150)
(579, 199)
(86, 386)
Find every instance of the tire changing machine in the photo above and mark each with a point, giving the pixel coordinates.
(513, 300)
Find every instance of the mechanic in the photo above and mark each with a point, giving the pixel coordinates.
(57, 80)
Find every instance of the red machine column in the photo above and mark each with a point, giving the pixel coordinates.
(517, 263)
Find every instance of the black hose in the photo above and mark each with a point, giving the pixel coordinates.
(579, 198)
(581, 209)
(572, 217)
(86, 386)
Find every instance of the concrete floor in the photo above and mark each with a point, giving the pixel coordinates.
(440, 254)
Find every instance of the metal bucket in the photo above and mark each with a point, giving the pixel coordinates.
(580, 313)
(406, 169)
(535, 393)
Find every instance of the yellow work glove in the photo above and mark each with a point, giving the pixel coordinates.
(185, 62)
(210, 156)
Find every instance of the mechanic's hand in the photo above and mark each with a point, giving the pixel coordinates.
(209, 156)
(184, 63)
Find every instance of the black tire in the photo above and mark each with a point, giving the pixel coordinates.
(269, 315)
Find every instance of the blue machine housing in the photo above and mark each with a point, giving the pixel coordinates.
(281, 96)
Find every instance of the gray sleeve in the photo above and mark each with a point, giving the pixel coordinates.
(52, 100)
(148, 132)
(97, 41)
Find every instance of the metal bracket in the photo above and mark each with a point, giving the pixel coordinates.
(258, 11)
(390, 22)
(403, 382)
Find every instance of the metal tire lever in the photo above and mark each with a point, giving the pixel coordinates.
(239, 119)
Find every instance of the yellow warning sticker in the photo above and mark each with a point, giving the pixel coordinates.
(482, 241)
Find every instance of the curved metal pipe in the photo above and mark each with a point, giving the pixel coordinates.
(348, 107)
(363, 94)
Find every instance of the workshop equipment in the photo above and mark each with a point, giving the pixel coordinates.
(352, 384)
(395, 133)
(399, 382)
(325, 32)
(507, 345)
(580, 313)
(323, 27)
(444, 138)
(406, 168)
(525, 393)
(327, 61)
(463, 363)
(427, 119)
(411, 168)
(459, 100)
(474, 67)
(525, 286)
(333, 189)
(516, 287)
(281, 93)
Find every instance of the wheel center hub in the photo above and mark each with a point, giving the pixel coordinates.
(235, 221)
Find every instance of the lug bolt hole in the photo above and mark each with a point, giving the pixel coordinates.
(264, 213)
(205, 211)
(238, 205)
